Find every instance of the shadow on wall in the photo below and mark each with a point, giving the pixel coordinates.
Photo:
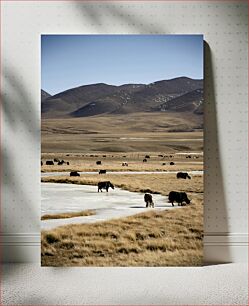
(215, 210)
(99, 17)
(20, 182)
(20, 114)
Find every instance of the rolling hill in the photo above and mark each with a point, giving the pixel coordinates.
(179, 94)
(191, 102)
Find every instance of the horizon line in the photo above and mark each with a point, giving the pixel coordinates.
(132, 83)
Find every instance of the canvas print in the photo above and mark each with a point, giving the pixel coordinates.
(122, 150)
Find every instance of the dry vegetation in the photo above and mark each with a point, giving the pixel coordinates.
(155, 238)
(139, 132)
(165, 238)
(154, 183)
(113, 162)
(83, 213)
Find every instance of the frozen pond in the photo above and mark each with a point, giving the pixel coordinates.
(61, 198)
(197, 172)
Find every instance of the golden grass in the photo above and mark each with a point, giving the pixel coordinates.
(138, 132)
(113, 162)
(154, 183)
(83, 213)
(165, 238)
(154, 238)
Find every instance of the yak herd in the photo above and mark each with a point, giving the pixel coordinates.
(56, 160)
(180, 198)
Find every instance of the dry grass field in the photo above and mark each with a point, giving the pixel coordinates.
(165, 238)
(113, 162)
(155, 238)
(154, 183)
(68, 215)
(139, 132)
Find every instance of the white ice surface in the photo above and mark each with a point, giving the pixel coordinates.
(60, 198)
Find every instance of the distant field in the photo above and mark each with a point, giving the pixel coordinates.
(139, 132)
(113, 162)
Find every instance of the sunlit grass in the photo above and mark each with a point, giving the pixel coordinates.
(68, 215)
(154, 238)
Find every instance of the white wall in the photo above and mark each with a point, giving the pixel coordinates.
(224, 25)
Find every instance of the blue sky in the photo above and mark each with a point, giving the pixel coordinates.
(69, 61)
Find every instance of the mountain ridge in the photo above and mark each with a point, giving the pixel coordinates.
(102, 98)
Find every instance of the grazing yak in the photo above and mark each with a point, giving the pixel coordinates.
(102, 171)
(68, 163)
(41, 163)
(147, 156)
(183, 175)
(171, 163)
(49, 162)
(124, 164)
(61, 162)
(56, 160)
(74, 173)
(98, 162)
(178, 197)
(148, 200)
(144, 160)
(105, 185)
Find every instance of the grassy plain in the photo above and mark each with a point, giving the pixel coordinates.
(139, 132)
(113, 162)
(154, 238)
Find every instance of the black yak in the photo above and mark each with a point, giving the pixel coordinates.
(183, 175)
(148, 200)
(102, 171)
(178, 197)
(49, 162)
(74, 173)
(105, 185)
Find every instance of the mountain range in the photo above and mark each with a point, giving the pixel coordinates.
(176, 95)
